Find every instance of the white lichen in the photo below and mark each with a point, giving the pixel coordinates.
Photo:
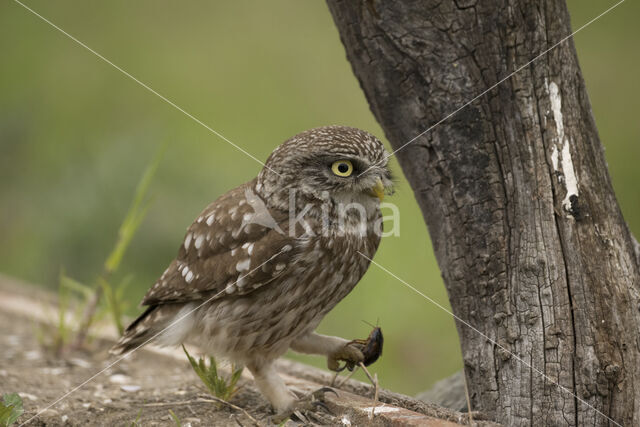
(570, 179)
(556, 107)
(561, 147)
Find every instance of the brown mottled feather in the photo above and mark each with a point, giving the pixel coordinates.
(225, 242)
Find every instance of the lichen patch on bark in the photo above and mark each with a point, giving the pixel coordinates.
(568, 171)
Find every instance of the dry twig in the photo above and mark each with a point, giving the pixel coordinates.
(208, 399)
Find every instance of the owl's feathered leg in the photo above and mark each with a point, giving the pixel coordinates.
(271, 385)
(281, 398)
(335, 348)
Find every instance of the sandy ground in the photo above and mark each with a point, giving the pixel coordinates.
(143, 387)
(81, 389)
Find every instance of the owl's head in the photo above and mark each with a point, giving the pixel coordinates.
(347, 165)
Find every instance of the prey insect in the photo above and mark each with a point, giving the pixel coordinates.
(371, 348)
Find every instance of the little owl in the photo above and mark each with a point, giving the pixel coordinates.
(263, 264)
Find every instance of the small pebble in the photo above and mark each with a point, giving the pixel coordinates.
(80, 362)
(53, 371)
(50, 413)
(29, 396)
(32, 355)
(130, 388)
(119, 379)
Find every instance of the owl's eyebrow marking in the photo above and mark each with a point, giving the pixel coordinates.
(353, 158)
(144, 85)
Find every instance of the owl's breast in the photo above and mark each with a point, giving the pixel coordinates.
(325, 268)
(334, 262)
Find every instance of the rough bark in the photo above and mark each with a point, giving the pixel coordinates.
(515, 191)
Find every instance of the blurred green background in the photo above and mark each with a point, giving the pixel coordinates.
(76, 135)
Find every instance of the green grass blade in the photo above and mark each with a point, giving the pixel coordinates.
(198, 368)
(135, 214)
(213, 366)
(113, 304)
(62, 330)
(75, 285)
(235, 377)
(175, 418)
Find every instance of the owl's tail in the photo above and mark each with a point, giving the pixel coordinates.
(164, 325)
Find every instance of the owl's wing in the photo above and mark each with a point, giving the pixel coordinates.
(234, 247)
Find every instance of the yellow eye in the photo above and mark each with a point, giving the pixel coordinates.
(342, 168)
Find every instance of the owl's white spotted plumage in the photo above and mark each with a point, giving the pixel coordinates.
(263, 264)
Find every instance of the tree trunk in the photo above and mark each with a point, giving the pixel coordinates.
(515, 191)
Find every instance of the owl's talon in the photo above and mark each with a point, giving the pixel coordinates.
(319, 393)
(307, 404)
(349, 353)
(340, 368)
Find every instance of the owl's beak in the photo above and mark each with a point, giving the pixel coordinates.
(378, 189)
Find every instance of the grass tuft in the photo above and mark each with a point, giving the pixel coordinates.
(136, 422)
(217, 385)
(87, 302)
